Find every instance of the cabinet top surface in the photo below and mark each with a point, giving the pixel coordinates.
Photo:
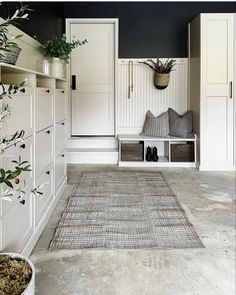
(149, 138)
(12, 69)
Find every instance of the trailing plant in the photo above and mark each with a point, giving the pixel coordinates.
(159, 66)
(7, 42)
(59, 47)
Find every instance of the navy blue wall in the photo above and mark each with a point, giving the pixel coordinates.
(146, 29)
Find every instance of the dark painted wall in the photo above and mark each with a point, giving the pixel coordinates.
(146, 29)
(149, 29)
(45, 19)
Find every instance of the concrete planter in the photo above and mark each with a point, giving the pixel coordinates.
(31, 287)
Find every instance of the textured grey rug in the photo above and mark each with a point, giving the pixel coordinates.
(129, 210)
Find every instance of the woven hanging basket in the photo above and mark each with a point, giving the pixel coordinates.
(10, 57)
(161, 81)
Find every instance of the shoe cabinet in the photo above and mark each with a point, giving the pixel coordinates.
(171, 151)
(41, 111)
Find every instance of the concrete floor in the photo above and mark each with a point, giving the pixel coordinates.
(208, 199)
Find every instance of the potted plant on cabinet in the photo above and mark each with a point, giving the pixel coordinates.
(9, 49)
(161, 71)
(59, 50)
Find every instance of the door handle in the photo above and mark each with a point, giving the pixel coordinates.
(73, 82)
(22, 146)
(230, 89)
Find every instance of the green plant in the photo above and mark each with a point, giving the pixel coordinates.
(7, 42)
(59, 47)
(159, 66)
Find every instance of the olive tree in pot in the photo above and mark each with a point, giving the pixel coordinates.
(161, 71)
(9, 49)
(59, 50)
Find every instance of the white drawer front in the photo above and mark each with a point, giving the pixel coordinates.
(43, 150)
(42, 202)
(17, 225)
(60, 137)
(60, 171)
(60, 105)
(21, 106)
(43, 108)
(25, 151)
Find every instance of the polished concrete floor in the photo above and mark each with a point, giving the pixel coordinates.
(208, 199)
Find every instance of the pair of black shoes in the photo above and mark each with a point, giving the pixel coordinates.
(151, 154)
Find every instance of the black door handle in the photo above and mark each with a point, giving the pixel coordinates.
(73, 82)
(22, 146)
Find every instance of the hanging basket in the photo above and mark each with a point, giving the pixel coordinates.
(161, 81)
(10, 57)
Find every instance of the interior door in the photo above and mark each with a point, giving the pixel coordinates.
(93, 68)
(217, 104)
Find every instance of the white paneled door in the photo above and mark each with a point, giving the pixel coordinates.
(217, 93)
(92, 70)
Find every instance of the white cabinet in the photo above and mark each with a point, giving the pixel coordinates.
(42, 202)
(211, 93)
(21, 105)
(43, 150)
(60, 137)
(43, 108)
(60, 105)
(40, 111)
(17, 225)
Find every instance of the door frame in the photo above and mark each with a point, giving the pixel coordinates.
(114, 21)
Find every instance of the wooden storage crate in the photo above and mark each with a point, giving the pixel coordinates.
(132, 151)
(182, 152)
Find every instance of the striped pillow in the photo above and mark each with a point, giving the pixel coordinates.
(156, 126)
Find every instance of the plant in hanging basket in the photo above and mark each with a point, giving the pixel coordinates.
(161, 71)
(9, 49)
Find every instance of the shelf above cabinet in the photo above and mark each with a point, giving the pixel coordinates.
(11, 69)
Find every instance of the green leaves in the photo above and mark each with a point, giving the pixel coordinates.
(9, 176)
(59, 47)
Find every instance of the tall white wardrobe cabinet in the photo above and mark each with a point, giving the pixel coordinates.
(212, 88)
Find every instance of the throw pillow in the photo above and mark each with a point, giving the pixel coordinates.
(156, 126)
(180, 126)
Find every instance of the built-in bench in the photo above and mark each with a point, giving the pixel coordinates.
(172, 151)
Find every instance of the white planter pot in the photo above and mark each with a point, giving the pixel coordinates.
(57, 67)
(31, 287)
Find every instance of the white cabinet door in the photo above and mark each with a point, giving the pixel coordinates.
(21, 107)
(60, 137)
(42, 202)
(60, 171)
(216, 93)
(60, 105)
(43, 108)
(43, 150)
(17, 225)
(93, 66)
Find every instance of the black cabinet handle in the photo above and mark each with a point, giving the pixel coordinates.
(48, 91)
(73, 82)
(22, 202)
(230, 89)
(48, 172)
(22, 146)
(22, 90)
(63, 123)
(48, 132)
(62, 91)
(63, 155)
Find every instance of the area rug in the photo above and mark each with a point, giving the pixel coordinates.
(126, 210)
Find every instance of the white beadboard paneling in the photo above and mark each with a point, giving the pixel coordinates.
(131, 112)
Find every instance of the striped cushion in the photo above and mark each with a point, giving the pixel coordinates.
(156, 126)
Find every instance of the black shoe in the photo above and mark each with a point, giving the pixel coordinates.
(155, 157)
(149, 154)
